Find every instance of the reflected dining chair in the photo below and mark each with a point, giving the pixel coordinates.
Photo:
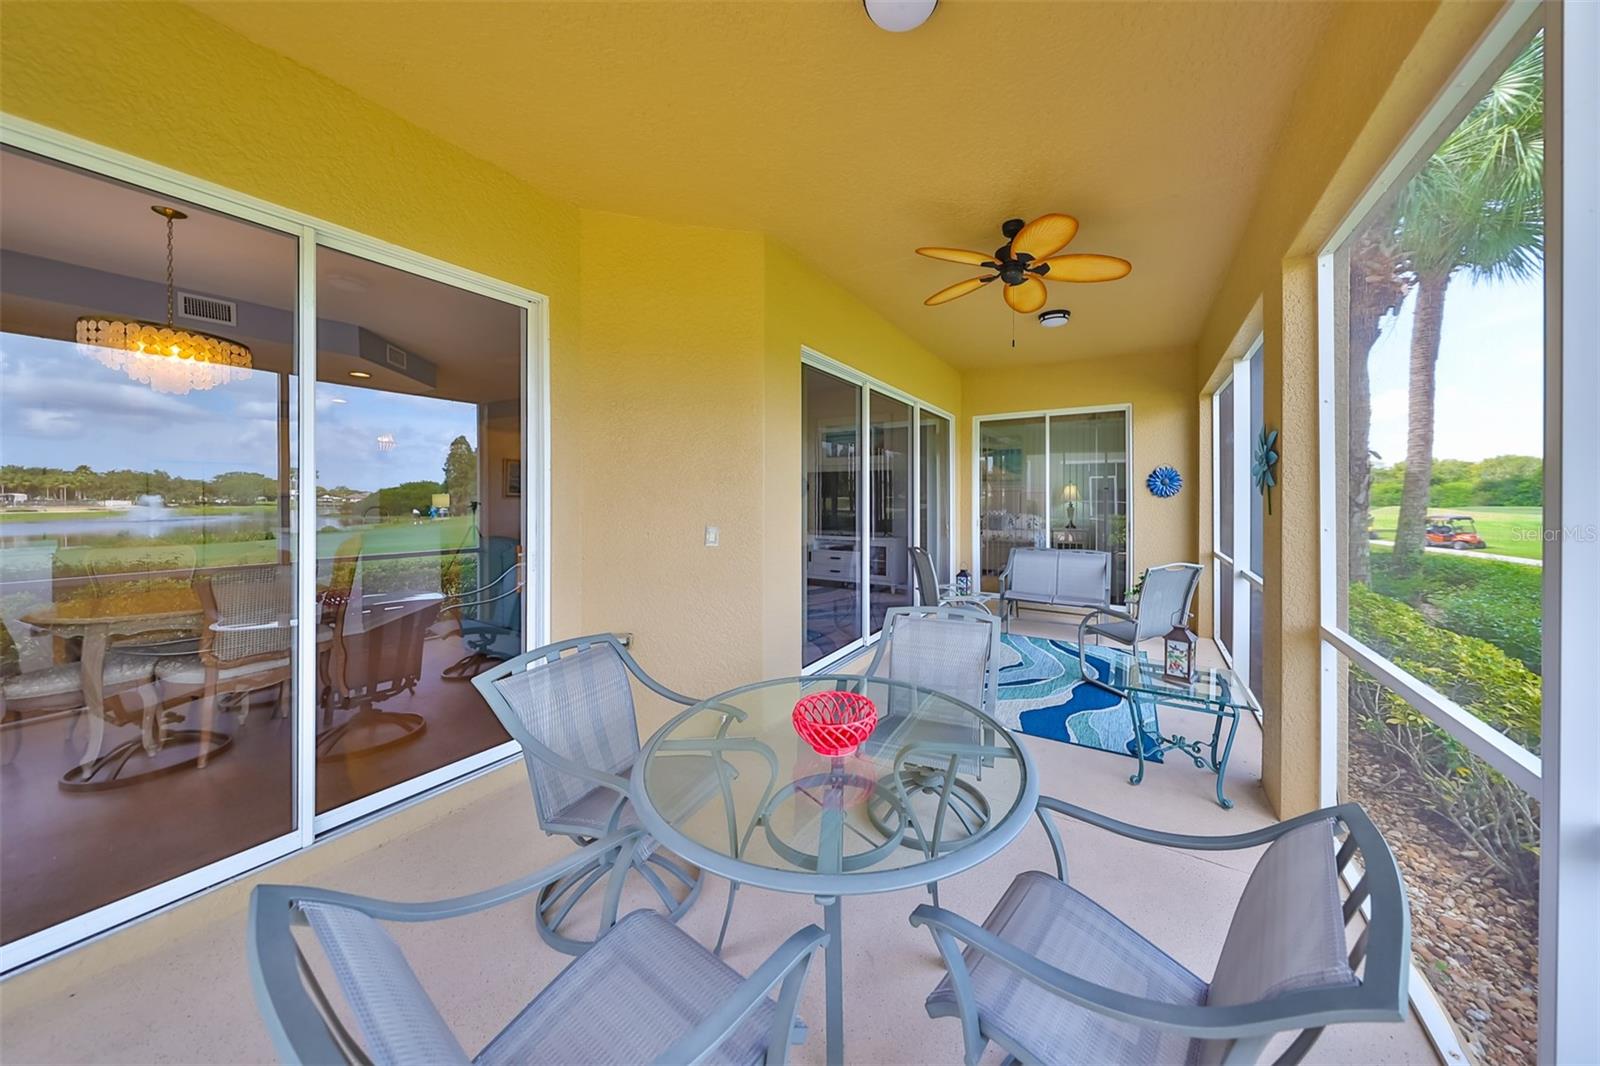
(570, 706)
(646, 992)
(1053, 977)
(954, 651)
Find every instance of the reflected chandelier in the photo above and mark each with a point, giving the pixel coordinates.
(167, 359)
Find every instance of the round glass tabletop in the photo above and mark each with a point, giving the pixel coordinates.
(934, 788)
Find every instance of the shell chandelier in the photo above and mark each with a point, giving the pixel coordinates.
(164, 357)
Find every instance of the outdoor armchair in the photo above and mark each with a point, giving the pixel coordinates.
(647, 992)
(570, 706)
(491, 614)
(1052, 977)
(1165, 600)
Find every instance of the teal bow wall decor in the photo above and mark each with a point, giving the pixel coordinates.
(1264, 465)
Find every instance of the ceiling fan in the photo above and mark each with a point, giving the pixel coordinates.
(1026, 261)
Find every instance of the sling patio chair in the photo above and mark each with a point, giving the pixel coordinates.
(646, 992)
(570, 706)
(954, 651)
(930, 593)
(1053, 977)
(1165, 599)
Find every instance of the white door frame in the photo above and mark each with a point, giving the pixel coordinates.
(976, 529)
(867, 384)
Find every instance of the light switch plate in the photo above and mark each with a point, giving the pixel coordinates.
(713, 536)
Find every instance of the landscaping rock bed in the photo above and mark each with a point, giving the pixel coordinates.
(1474, 935)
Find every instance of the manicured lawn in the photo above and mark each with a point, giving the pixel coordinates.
(1514, 531)
(21, 517)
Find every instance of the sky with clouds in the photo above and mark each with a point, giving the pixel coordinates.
(60, 407)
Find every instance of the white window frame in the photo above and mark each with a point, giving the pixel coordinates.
(312, 232)
(1563, 778)
(1055, 412)
(1236, 650)
(869, 385)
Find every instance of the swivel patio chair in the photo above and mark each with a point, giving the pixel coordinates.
(570, 706)
(954, 651)
(1053, 977)
(647, 992)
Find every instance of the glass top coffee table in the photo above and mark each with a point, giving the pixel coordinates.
(1216, 691)
(936, 788)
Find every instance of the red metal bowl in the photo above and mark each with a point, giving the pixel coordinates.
(835, 723)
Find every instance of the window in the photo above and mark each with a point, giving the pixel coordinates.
(871, 461)
(1058, 479)
(215, 643)
(1238, 518)
(1436, 551)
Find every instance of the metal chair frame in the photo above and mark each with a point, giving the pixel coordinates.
(305, 1028)
(1383, 945)
(560, 896)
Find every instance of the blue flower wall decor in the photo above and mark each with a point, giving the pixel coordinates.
(1164, 482)
(1264, 464)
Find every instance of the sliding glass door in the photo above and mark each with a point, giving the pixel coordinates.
(250, 556)
(875, 482)
(830, 419)
(1056, 479)
(419, 521)
(1238, 519)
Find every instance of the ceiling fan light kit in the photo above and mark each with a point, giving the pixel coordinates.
(1026, 261)
(1055, 318)
(898, 16)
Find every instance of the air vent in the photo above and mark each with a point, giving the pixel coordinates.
(206, 309)
(396, 357)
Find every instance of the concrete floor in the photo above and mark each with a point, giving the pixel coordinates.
(190, 1000)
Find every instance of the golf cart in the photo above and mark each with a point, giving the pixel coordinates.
(1453, 531)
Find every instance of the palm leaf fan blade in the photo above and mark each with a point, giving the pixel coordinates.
(960, 288)
(1086, 267)
(1044, 236)
(1027, 297)
(957, 255)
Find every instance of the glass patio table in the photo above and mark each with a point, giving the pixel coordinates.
(936, 788)
(1216, 691)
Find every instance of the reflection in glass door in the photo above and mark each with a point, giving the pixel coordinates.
(419, 519)
(888, 551)
(148, 499)
(830, 420)
(1012, 491)
(933, 491)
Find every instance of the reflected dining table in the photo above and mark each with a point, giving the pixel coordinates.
(937, 788)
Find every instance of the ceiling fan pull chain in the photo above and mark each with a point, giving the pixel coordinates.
(169, 270)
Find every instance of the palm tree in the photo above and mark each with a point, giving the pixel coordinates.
(1477, 205)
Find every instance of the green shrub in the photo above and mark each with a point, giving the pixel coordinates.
(1502, 603)
(1497, 816)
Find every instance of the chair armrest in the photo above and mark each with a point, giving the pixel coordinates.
(787, 965)
(1254, 838)
(298, 1029)
(1291, 1010)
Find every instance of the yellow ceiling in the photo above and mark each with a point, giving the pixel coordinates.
(1151, 122)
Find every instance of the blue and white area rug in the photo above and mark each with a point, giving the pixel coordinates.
(1043, 694)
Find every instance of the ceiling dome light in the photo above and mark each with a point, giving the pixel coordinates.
(898, 16)
(1055, 319)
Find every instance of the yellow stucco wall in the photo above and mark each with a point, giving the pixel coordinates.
(1376, 71)
(1160, 387)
